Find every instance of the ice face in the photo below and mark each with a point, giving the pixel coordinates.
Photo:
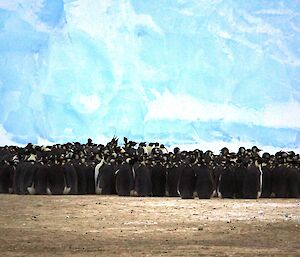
(181, 72)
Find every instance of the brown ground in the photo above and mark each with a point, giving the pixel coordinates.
(120, 226)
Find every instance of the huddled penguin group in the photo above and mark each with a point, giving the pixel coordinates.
(147, 170)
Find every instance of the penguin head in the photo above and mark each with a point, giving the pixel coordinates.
(224, 151)
(166, 157)
(255, 149)
(208, 153)
(143, 144)
(176, 150)
(29, 146)
(192, 159)
(241, 150)
(265, 157)
(233, 157)
(132, 144)
(284, 155)
(279, 160)
(183, 155)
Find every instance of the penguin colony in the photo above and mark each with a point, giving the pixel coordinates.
(147, 170)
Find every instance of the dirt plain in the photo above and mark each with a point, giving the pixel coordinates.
(129, 226)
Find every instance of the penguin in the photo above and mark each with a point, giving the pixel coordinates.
(163, 149)
(155, 149)
(18, 176)
(241, 151)
(204, 186)
(292, 179)
(56, 183)
(125, 176)
(279, 177)
(158, 178)
(266, 176)
(227, 187)
(29, 174)
(71, 179)
(41, 178)
(187, 182)
(255, 150)
(176, 150)
(142, 149)
(252, 181)
(217, 170)
(23, 181)
(173, 173)
(240, 171)
(129, 147)
(82, 181)
(105, 180)
(89, 169)
(142, 183)
(224, 151)
(6, 177)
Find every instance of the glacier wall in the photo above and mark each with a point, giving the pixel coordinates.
(181, 72)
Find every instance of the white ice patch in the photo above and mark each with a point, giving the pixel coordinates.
(106, 17)
(86, 103)
(168, 106)
(185, 107)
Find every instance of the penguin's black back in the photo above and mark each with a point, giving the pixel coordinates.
(292, 183)
(227, 182)
(204, 182)
(124, 180)
(82, 187)
(158, 180)
(5, 178)
(40, 180)
(143, 185)
(71, 178)
(266, 182)
(56, 179)
(187, 182)
(251, 182)
(240, 172)
(107, 179)
(279, 181)
(172, 181)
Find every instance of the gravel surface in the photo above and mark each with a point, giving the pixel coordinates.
(129, 226)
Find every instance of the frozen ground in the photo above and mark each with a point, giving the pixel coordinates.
(116, 226)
